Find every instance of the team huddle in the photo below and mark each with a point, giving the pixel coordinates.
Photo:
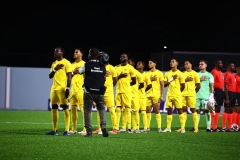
(140, 91)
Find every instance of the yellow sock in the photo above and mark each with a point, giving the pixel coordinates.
(195, 120)
(182, 121)
(98, 120)
(134, 120)
(118, 116)
(55, 117)
(149, 116)
(113, 116)
(184, 116)
(137, 120)
(144, 118)
(124, 121)
(128, 118)
(74, 117)
(67, 119)
(169, 121)
(159, 120)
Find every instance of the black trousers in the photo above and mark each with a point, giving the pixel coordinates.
(89, 98)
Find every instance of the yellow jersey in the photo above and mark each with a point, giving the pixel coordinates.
(190, 86)
(78, 79)
(111, 72)
(155, 91)
(123, 84)
(139, 79)
(60, 76)
(174, 88)
(146, 81)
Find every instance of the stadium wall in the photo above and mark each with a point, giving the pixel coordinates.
(24, 88)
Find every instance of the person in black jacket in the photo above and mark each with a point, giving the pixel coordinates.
(94, 81)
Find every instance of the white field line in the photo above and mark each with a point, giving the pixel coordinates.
(34, 123)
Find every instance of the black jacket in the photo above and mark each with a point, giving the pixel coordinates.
(95, 77)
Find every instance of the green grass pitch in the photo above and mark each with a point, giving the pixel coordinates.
(22, 136)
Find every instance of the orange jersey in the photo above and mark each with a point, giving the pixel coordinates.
(237, 77)
(218, 79)
(229, 79)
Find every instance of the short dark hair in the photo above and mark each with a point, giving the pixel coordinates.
(126, 54)
(132, 59)
(93, 53)
(217, 60)
(80, 49)
(153, 60)
(61, 48)
(174, 59)
(203, 60)
(143, 63)
(229, 63)
(190, 61)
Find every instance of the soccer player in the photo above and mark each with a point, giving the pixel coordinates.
(237, 77)
(155, 94)
(76, 94)
(175, 81)
(192, 85)
(135, 97)
(205, 92)
(218, 93)
(230, 97)
(61, 73)
(142, 94)
(126, 78)
(109, 101)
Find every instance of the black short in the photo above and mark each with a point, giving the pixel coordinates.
(238, 99)
(232, 99)
(218, 96)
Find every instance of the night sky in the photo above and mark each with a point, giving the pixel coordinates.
(29, 33)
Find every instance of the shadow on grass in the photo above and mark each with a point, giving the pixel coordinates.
(25, 131)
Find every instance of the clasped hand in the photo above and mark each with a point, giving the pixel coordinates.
(76, 71)
(173, 78)
(122, 75)
(58, 66)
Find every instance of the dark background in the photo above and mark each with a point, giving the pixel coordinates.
(30, 32)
